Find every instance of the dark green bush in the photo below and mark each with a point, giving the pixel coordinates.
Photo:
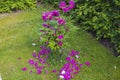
(99, 16)
(14, 5)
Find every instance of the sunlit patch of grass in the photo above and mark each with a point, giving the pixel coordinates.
(19, 30)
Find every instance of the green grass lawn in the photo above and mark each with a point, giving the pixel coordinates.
(19, 30)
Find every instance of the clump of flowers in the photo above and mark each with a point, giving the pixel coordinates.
(65, 7)
(50, 15)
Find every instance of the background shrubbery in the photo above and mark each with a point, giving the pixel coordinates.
(101, 17)
(14, 5)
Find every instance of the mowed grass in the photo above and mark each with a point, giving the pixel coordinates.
(19, 30)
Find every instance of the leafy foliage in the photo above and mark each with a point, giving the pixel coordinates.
(53, 2)
(14, 5)
(101, 17)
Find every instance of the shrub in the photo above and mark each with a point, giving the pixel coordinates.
(14, 5)
(101, 17)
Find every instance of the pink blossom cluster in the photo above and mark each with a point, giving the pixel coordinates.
(66, 8)
(52, 15)
(49, 15)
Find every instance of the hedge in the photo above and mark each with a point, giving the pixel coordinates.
(101, 17)
(14, 5)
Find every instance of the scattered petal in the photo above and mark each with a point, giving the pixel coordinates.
(34, 54)
(88, 63)
(31, 71)
(31, 62)
(33, 44)
(39, 71)
(115, 67)
(24, 69)
(61, 76)
(46, 71)
(54, 70)
(63, 72)
(81, 65)
(76, 56)
(0, 77)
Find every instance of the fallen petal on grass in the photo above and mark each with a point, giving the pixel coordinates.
(24, 69)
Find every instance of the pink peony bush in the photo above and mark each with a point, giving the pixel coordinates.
(52, 37)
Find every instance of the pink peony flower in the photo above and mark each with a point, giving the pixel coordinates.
(62, 4)
(66, 8)
(55, 13)
(47, 16)
(71, 4)
(60, 43)
(45, 25)
(61, 21)
(60, 37)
